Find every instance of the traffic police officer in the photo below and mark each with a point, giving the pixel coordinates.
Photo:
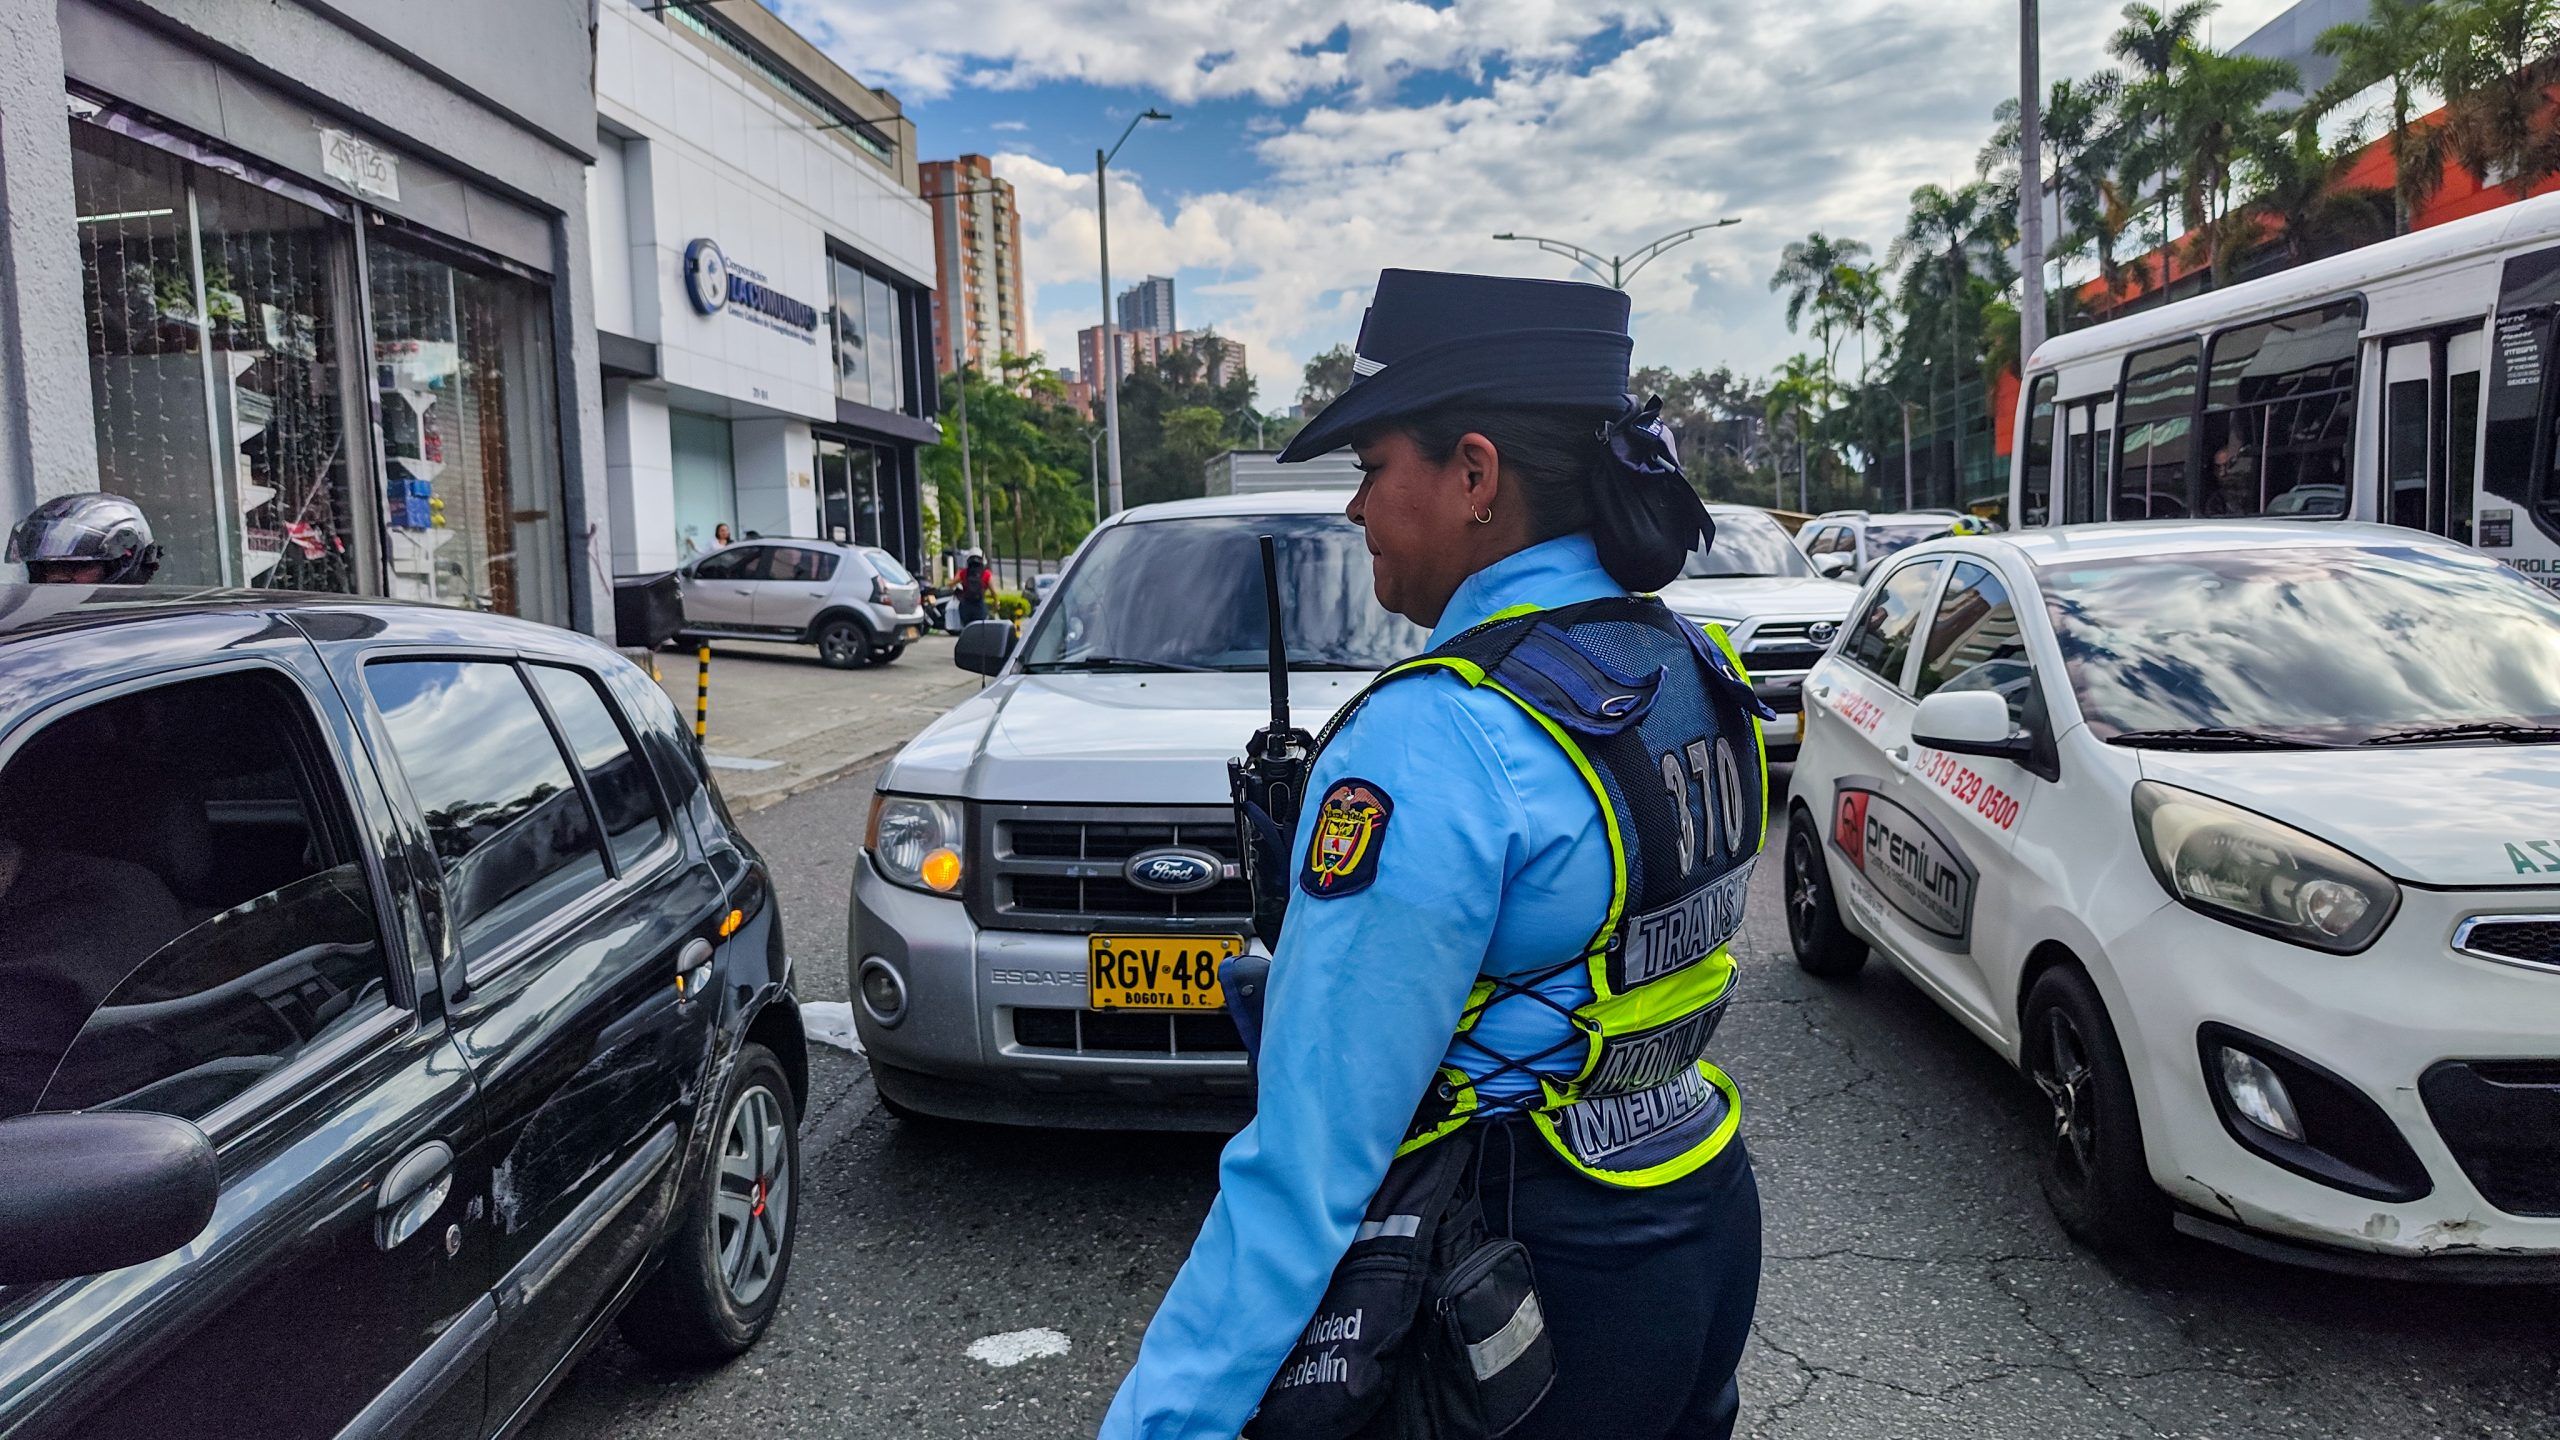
(1522, 858)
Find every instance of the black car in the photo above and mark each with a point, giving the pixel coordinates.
(387, 1002)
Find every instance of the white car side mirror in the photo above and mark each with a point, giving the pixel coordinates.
(1966, 722)
(1831, 566)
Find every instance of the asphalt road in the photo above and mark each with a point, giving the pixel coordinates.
(1915, 1286)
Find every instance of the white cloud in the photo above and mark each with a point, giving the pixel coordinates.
(1823, 114)
(1009, 125)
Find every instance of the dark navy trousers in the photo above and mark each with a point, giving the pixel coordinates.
(1647, 1293)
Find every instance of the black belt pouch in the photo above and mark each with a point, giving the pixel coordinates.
(1430, 1329)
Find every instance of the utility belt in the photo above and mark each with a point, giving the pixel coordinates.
(1431, 1327)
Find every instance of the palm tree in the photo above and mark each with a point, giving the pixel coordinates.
(2402, 42)
(1948, 231)
(1798, 389)
(2216, 115)
(1808, 271)
(1858, 302)
(2296, 181)
(2500, 59)
(2149, 40)
(2080, 126)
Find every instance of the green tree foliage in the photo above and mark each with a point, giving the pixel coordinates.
(2499, 61)
(1172, 421)
(2401, 44)
(1327, 376)
(1026, 455)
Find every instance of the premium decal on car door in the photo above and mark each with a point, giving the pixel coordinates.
(1912, 864)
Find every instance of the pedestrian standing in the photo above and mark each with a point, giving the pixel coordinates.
(1524, 856)
(976, 583)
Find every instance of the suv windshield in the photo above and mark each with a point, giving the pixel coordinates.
(1747, 543)
(2322, 646)
(1187, 595)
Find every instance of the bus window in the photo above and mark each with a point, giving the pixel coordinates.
(2156, 428)
(2035, 490)
(2279, 423)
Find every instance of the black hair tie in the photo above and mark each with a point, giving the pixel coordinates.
(1646, 518)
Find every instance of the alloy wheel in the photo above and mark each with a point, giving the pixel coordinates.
(752, 1211)
(2062, 1072)
(841, 645)
(1804, 906)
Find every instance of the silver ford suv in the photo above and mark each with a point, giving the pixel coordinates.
(856, 603)
(1050, 872)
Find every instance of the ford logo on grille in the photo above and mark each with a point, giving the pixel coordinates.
(1821, 631)
(1177, 871)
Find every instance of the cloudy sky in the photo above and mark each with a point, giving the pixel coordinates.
(1315, 141)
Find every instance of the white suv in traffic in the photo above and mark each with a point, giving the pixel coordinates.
(2242, 840)
(1042, 850)
(1753, 583)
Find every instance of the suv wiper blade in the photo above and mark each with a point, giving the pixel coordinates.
(1120, 662)
(1311, 667)
(2212, 737)
(2506, 730)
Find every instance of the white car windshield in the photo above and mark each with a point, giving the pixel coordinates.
(2302, 645)
(1747, 543)
(1186, 594)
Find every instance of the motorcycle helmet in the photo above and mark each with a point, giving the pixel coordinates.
(93, 538)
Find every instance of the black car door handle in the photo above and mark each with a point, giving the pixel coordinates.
(412, 1193)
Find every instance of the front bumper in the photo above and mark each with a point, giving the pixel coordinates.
(2379, 1022)
(995, 1028)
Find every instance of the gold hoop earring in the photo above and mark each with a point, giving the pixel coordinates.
(1485, 516)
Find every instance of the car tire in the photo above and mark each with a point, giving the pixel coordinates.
(843, 644)
(887, 653)
(721, 1278)
(2091, 1162)
(1822, 941)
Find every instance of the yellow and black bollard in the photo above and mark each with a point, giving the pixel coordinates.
(702, 694)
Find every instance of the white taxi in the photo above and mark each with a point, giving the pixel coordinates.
(2242, 841)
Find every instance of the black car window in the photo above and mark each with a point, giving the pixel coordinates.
(1973, 642)
(1881, 640)
(501, 808)
(616, 780)
(182, 910)
(738, 562)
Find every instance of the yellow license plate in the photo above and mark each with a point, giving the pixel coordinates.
(1157, 972)
(1799, 727)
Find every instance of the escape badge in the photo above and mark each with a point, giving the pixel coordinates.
(1351, 825)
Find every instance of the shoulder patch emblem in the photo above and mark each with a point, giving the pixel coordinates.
(1351, 828)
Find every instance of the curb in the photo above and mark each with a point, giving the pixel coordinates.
(825, 775)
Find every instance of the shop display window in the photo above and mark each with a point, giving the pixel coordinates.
(472, 490)
(216, 313)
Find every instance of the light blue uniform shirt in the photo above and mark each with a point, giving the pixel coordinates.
(1494, 862)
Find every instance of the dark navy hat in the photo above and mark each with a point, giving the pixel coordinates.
(1432, 338)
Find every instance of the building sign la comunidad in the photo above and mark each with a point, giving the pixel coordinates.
(715, 284)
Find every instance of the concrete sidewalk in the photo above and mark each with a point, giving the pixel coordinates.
(782, 722)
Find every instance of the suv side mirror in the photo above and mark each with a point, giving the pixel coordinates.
(1969, 722)
(1831, 566)
(984, 646)
(92, 1191)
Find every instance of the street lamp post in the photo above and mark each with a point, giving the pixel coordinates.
(952, 302)
(1093, 469)
(1620, 268)
(1108, 362)
(2031, 320)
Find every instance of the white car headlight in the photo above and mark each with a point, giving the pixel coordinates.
(2239, 866)
(918, 842)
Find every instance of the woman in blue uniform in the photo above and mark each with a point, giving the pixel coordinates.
(1522, 857)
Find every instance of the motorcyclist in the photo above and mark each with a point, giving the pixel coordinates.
(975, 584)
(87, 539)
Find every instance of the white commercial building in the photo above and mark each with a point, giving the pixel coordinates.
(764, 270)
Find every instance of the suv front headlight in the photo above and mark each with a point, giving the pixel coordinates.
(917, 842)
(2240, 867)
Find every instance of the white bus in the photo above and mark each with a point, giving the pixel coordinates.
(2403, 383)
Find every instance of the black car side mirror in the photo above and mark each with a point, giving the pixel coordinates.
(92, 1191)
(984, 646)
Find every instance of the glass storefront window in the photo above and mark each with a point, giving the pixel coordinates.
(880, 304)
(214, 310)
(849, 479)
(853, 364)
(706, 481)
(462, 360)
(870, 337)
